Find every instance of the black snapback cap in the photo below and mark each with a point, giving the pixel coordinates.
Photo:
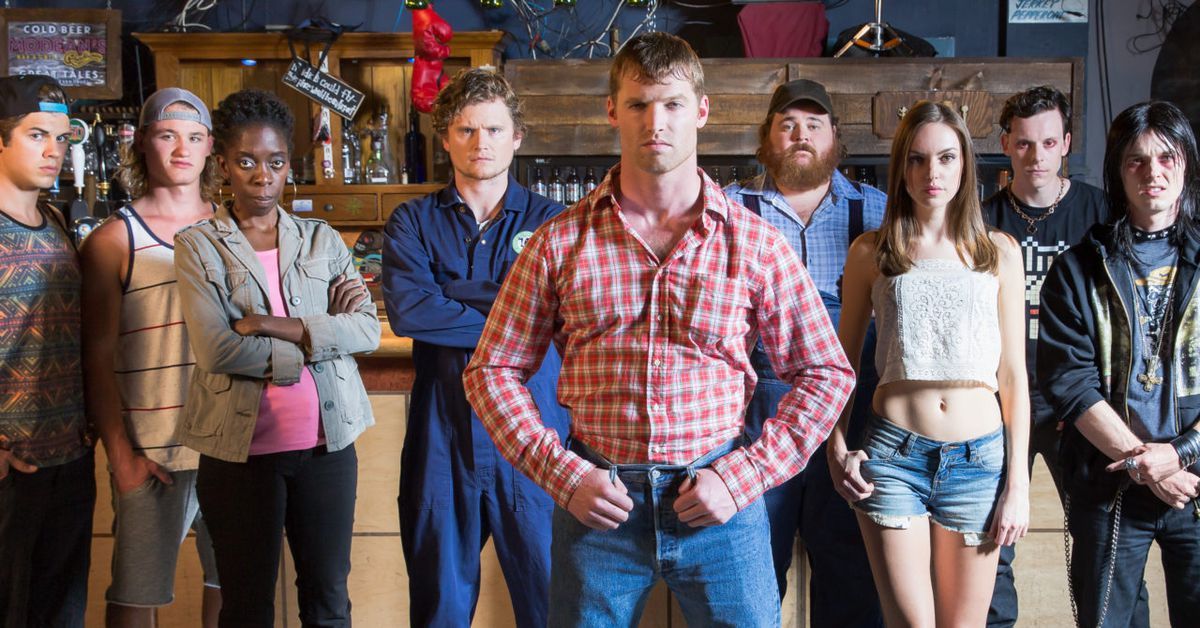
(795, 91)
(19, 96)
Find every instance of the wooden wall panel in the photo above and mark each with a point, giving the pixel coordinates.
(565, 99)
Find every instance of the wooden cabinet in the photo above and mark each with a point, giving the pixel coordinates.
(214, 65)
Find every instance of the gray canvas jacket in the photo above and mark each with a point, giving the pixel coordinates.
(221, 281)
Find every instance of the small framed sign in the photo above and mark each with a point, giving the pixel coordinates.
(1047, 11)
(80, 48)
(324, 88)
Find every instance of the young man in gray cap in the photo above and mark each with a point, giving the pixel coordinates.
(47, 472)
(138, 361)
(820, 212)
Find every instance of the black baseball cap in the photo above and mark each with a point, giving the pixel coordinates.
(798, 90)
(19, 96)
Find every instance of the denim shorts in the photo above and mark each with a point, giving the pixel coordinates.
(150, 523)
(957, 484)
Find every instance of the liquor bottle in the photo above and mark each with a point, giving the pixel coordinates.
(414, 149)
(716, 176)
(589, 180)
(384, 146)
(351, 159)
(539, 183)
(574, 190)
(377, 167)
(557, 192)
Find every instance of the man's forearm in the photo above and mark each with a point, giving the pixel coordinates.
(1103, 427)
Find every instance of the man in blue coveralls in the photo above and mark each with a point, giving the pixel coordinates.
(444, 258)
(820, 212)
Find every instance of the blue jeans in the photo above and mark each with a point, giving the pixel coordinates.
(1144, 520)
(721, 575)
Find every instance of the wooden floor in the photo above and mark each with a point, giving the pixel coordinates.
(378, 582)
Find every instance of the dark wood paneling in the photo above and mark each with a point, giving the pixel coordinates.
(565, 99)
(589, 77)
(871, 75)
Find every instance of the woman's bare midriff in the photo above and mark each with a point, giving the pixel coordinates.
(945, 411)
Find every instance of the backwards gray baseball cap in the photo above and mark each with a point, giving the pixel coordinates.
(155, 108)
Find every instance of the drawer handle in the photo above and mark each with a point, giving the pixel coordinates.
(328, 207)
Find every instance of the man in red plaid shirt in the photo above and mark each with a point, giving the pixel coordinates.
(654, 289)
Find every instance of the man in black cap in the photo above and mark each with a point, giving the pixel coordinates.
(820, 212)
(47, 470)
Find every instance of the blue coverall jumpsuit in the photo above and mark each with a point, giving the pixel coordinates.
(440, 277)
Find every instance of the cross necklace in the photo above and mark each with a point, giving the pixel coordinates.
(1156, 323)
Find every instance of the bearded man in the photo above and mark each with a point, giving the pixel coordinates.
(820, 212)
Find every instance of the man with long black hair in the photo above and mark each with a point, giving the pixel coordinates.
(1119, 359)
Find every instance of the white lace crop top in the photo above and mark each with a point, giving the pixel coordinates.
(937, 322)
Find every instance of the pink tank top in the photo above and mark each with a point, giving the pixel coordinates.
(289, 417)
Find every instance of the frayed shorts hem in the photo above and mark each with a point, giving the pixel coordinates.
(971, 538)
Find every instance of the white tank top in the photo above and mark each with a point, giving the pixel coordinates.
(937, 322)
(153, 361)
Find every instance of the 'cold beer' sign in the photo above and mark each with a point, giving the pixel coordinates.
(79, 48)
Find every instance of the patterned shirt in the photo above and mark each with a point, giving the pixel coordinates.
(822, 244)
(656, 353)
(41, 373)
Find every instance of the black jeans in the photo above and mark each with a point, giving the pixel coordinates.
(46, 544)
(1044, 439)
(309, 494)
(1144, 520)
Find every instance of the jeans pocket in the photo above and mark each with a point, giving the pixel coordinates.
(990, 456)
(880, 451)
(139, 489)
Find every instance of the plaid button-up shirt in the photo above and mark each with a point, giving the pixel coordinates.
(656, 365)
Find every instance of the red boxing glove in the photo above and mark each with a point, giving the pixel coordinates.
(431, 34)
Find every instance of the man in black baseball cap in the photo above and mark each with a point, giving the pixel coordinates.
(21, 95)
(820, 212)
(47, 481)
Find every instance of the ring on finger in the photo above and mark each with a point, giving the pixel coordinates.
(1131, 464)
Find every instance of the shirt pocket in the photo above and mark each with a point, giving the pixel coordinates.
(210, 402)
(715, 312)
(235, 285)
(350, 392)
(317, 275)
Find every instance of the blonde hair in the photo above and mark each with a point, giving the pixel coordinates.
(964, 217)
(131, 174)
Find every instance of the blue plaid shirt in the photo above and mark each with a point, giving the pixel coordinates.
(822, 244)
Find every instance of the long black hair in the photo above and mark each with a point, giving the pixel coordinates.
(1166, 122)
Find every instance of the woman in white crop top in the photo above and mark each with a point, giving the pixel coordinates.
(940, 480)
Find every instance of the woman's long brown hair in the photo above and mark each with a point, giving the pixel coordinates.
(964, 216)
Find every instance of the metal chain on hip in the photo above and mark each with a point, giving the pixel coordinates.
(1031, 228)
(1112, 556)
